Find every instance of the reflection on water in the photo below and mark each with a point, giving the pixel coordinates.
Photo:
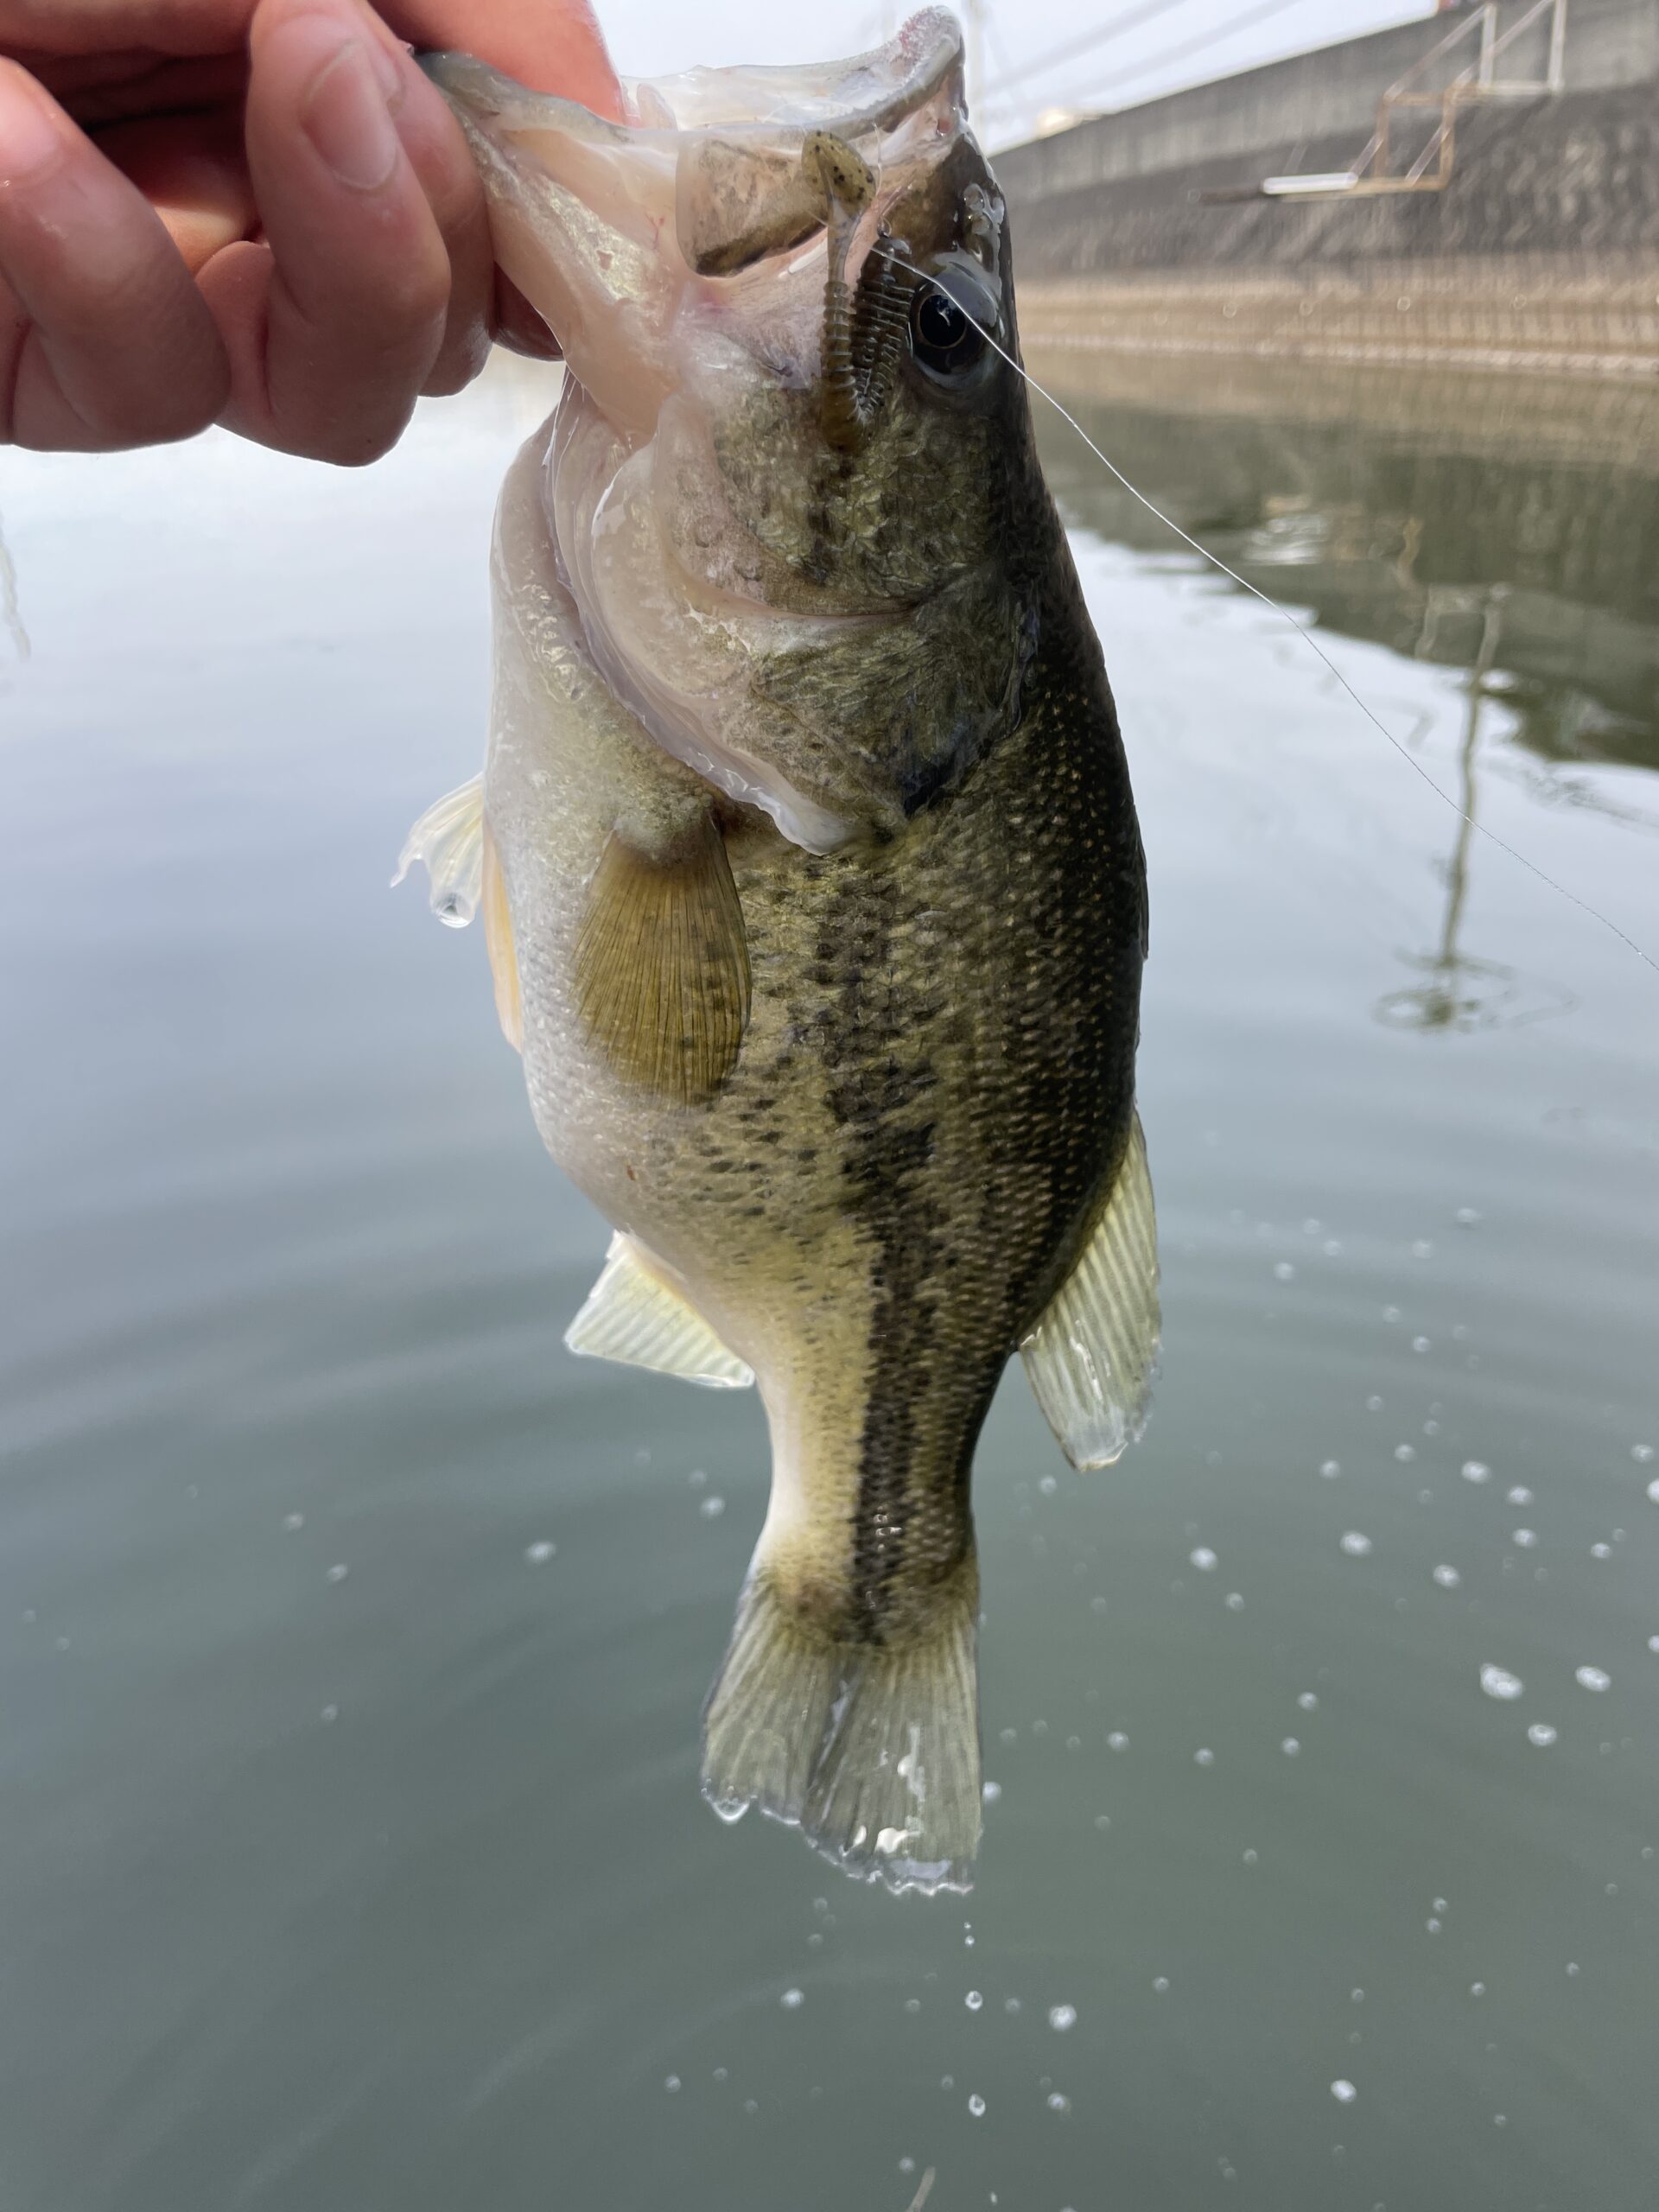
(353, 1636)
(1510, 531)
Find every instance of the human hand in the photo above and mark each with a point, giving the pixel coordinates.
(252, 212)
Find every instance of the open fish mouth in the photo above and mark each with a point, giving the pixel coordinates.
(620, 234)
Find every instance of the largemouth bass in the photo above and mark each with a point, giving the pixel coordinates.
(810, 870)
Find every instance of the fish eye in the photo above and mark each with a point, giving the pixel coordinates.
(949, 317)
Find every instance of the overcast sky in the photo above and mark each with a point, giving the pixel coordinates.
(1179, 42)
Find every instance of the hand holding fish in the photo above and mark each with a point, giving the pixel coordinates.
(251, 212)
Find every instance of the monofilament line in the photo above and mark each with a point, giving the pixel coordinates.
(1532, 868)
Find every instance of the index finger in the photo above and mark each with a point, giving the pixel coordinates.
(553, 45)
(177, 27)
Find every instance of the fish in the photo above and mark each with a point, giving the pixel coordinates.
(809, 869)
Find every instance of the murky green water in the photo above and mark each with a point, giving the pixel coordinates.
(352, 1858)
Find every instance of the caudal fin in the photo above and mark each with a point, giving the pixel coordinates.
(871, 1749)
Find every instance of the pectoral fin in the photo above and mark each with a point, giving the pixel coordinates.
(662, 963)
(1091, 1358)
(633, 1316)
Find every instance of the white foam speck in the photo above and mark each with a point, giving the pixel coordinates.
(711, 1508)
(338, 1573)
(976, 2106)
(1525, 1540)
(1354, 1544)
(1476, 1471)
(1331, 1469)
(1290, 1747)
(1540, 1733)
(1448, 1576)
(1499, 1682)
(990, 1792)
(1062, 2017)
(1343, 2092)
(1592, 1678)
(792, 1999)
(538, 1553)
(1203, 1559)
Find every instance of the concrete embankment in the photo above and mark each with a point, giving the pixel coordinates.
(1542, 251)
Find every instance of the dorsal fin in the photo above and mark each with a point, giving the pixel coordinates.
(1092, 1356)
(634, 1317)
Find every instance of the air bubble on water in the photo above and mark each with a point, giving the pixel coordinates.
(1499, 1682)
(1525, 1539)
(1422, 1250)
(1331, 1469)
(1540, 1733)
(1519, 1496)
(1572, 1966)
(1476, 1471)
(1466, 1217)
(1117, 1741)
(1331, 1248)
(1419, 1344)
(1343, 2092)
(1653, 1489)
(1592, 1678)
(697, 1477)
(1252, 1858)
(539, 1552)
(913, 2003)
(292, 1521)
(329, 1714)
(1642, 1453)
(1601, 1551)
(1448, 1576)
(1354, 1544)
(1432, 1926)
(973, 2000)
(671, 2084)
(907, 2165)
(990, 1792)
(1048, 1485)
(1234, 1601)
(1290, 1747)
(1285, 1272)
(792, 1999)
(1062, 2017)
(1203, 1559)
(1308, 1702)
(1010, 2005)
(1374, 1404)
(1160, 1983)
(337, 1573)
(1204, 1758)
(711, 1508)
(1405, 1453)
(1653, 1643)
(1477, 1989)
(976, 2106)
(453, 909)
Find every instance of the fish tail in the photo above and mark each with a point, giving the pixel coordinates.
(869, 1746)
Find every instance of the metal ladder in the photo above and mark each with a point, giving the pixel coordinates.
(1481, 79)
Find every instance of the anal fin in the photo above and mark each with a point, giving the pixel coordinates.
(632, 1316)
(662, 963)
(1092, 1356)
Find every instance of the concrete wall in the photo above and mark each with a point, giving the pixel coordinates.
(1328, 97)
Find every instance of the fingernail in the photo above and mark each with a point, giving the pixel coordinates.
(344, 116)
(30, 141)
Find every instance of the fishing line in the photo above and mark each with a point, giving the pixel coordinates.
(1285, 615)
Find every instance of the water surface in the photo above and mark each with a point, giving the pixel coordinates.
(353, 1636)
